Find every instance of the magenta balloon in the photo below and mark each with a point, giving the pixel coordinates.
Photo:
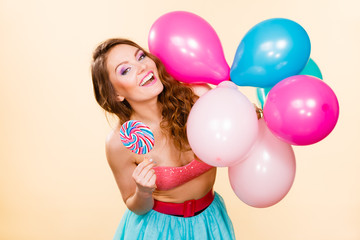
(222, 126)
(266, 175)
(301, 110)
(189, 48)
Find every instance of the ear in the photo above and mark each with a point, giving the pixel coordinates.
(119, 98)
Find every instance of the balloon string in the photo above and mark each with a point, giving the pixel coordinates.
(259, 112)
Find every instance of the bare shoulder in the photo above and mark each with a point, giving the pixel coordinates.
(116, 153)
(122, 163)
(200, 89)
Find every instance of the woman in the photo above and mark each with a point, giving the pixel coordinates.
(168, 192)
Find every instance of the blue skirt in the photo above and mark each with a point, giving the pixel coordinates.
(212, 223)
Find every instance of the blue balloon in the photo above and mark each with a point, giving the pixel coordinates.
(269, 52)
(311, 69)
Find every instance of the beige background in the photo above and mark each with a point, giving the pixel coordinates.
(54, 178)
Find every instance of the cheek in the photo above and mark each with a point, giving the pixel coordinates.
(122, 86)
(150, 63)
(126, 80)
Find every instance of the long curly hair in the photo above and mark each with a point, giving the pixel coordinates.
(176, 99)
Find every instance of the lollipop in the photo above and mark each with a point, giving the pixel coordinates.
(137, 137)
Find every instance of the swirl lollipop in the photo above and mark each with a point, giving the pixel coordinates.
(137, 137)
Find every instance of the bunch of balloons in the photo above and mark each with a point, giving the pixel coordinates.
(223, 130)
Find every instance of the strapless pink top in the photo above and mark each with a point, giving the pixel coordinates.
(171, 177)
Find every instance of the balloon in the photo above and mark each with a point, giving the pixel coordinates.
(222, 125)
(301, 110)
(271, 51)
(261, 94)
(267, 173)
(310, 69)
(189, 48)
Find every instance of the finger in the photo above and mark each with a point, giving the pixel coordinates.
(152, 181)
(145, 163)
(145, 175)
(149, 183)
(138, 168)
(148, 175)
(146, 169)
(141, 166)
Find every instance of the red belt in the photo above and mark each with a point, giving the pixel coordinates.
(185, 209)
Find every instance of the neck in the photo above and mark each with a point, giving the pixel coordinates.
(149, 113)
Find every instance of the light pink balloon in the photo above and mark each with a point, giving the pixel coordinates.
(222, 125)
(189, 48)
(301, 110)
(266, 175)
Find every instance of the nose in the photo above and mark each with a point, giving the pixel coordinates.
(141, 67)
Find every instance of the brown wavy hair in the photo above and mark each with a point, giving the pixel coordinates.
(176, 99)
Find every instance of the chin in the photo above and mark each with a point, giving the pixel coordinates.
(158, 88)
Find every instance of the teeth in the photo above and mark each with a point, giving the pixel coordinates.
(147, 78)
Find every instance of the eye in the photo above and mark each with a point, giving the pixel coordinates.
(125, 71)
(142, 55)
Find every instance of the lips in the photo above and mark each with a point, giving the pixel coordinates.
(148, 79)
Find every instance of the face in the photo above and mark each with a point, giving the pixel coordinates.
(133, 74)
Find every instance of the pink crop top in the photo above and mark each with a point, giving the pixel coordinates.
(171, 177)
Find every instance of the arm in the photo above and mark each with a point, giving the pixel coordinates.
(136, 182)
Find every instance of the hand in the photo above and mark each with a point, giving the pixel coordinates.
(145, 177)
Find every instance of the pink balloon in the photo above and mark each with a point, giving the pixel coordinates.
(222, 125)
(301, 110)
(189, 48)
(266, 175)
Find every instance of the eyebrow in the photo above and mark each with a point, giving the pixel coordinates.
(136, 52)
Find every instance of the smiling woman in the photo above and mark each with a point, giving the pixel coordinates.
(168, 191)
(131, 77)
